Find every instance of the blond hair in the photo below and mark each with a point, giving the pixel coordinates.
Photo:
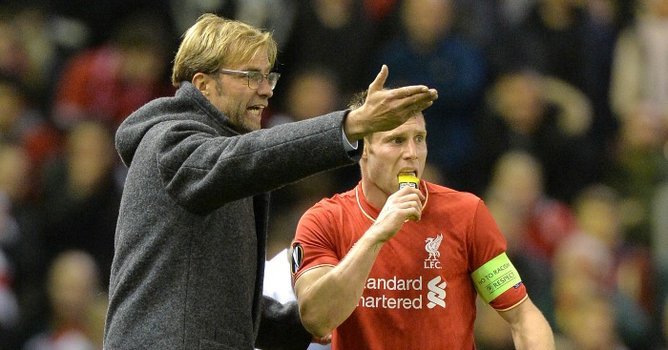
(214, 42)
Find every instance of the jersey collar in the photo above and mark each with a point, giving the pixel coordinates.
(371, 212)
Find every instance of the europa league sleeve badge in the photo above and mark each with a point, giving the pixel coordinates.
(296, 257)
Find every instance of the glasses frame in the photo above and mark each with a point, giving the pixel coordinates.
(253, 76)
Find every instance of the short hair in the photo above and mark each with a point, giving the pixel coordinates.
(214, 42)
(357, 100)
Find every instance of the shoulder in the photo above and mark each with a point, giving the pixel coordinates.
(328, 212)
(334, 204)
(446, 193)
(168, 107)
(457, 205)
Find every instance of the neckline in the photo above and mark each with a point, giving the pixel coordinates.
(368, 216)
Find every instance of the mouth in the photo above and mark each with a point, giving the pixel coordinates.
(408, 178)
(256, 110)
(412, 172)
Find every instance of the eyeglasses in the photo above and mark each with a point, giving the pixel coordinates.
(254, 78)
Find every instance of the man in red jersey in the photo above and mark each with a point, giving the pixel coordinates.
(387, 268)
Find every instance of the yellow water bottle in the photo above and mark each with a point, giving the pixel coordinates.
(408, 180)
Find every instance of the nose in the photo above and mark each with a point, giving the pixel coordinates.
(264, 88)
(410, 151)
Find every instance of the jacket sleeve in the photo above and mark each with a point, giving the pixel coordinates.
(202, 170)
(281, 327)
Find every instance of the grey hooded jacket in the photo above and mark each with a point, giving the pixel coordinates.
(190, 238)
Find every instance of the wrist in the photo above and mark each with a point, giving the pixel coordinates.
(374, 238)
(351, 128)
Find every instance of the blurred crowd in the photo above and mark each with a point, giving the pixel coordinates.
(555, 112)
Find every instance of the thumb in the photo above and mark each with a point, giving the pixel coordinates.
(379, 83)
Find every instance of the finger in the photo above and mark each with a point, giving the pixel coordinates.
(432, 95)
(379, 83)
(414, 93)
(419, 107)
(408, 193)
(421, 101)
(410, 202)
(416, 209)
(426, 94)
(412, 213)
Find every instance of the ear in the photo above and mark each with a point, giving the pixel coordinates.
(202, 82)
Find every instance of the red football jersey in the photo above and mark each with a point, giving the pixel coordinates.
(419, 294)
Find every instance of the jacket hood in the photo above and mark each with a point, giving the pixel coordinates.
(179, 107)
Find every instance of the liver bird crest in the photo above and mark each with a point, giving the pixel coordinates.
(432, 246)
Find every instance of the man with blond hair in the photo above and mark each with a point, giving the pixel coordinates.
(398, 262)
(190, 238)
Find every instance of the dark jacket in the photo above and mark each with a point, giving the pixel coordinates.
(190, 238)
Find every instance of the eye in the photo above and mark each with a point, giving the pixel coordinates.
(420, 138)
(255, 76)
(398, 140)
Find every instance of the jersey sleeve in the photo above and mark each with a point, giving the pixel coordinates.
(492, 272)
(313, 245)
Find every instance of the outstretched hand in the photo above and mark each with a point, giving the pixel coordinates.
(385, 109)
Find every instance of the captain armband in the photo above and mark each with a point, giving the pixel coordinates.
(495, 277)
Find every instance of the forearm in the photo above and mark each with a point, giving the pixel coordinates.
(328, 295)
(533, 332)
(333, 297)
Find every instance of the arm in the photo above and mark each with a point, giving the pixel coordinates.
(385, 109)
(328, 295)
(529, 327)
(202, 169)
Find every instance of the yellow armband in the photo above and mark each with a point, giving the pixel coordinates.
(495, 277)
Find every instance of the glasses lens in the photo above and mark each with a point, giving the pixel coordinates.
(273, 79)
(256, 78)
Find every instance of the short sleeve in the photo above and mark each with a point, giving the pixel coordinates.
(313, 243)
(487, 243)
